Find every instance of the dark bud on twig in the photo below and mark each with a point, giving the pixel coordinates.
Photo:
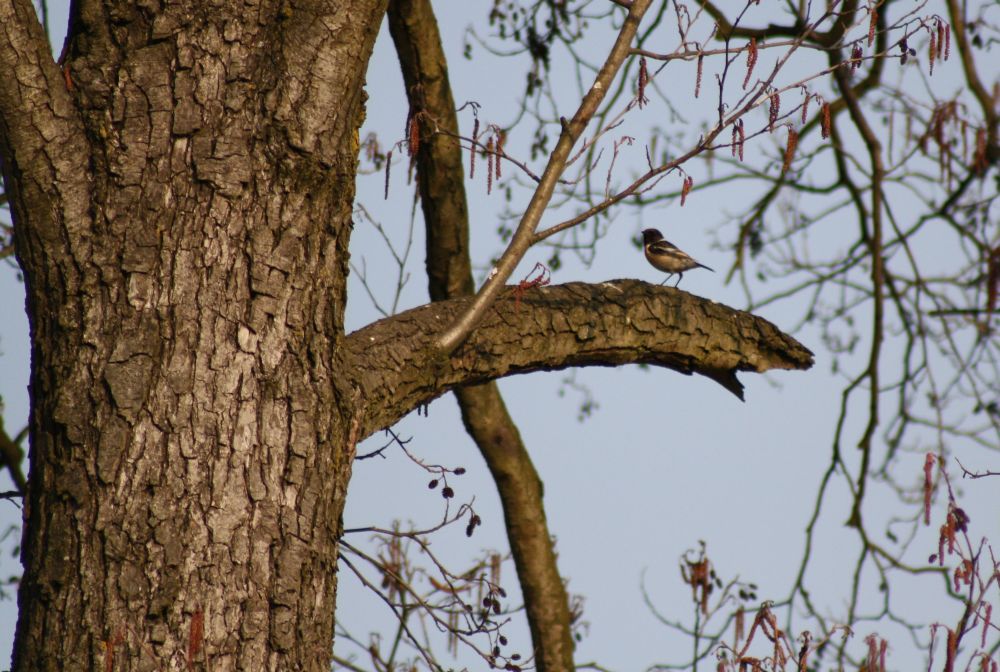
(474, 522)
(774, 110)
(856, 55)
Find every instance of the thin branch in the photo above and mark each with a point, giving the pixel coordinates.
(571, 132)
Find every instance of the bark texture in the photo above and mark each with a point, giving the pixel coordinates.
(394, 366)
(182, 197)
(441, 180)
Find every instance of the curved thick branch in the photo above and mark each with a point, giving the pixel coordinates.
(395, 366)
(986, 102)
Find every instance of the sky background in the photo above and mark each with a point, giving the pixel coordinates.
(664, 462)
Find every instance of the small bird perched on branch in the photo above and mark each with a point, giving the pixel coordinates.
(667, 257)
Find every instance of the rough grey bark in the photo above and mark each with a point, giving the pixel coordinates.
(182, 197)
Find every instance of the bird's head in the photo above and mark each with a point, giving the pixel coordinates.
(651, 236)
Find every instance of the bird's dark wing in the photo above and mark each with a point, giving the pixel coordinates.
(663, 247)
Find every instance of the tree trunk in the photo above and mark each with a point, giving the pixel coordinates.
(190, 446)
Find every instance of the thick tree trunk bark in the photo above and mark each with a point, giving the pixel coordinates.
(181, 191)
(190, 447)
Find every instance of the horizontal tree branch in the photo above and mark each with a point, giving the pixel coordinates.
(395, 367)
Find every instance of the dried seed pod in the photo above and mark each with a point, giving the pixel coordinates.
(793, 141)
(643, 80)
(751, 60)
(856, 55)
(489, 166)
(775, 109)
(932, 52)
(686, 188)
(472, 149)
(697, 81)
(501, 137)
(743, 138)
(388, 165)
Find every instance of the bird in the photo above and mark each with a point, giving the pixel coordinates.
(667, 257)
